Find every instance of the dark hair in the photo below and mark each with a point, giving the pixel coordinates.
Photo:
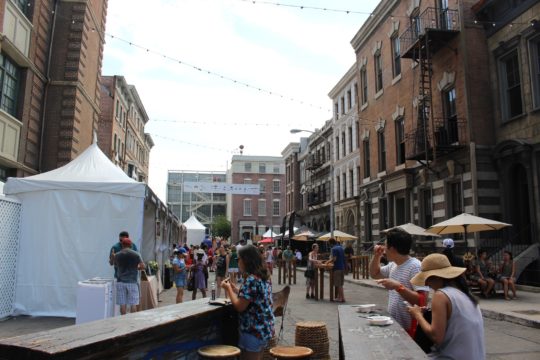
(123, 234)
(252, 262)
(461, 284)
(400, 241)
(509, 254)
(332, 241)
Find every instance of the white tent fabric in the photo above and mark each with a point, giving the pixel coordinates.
(70, 218)
(195, 231)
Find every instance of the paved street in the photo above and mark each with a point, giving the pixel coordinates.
(504, 340)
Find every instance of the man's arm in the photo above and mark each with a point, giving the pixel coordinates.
(375, 263)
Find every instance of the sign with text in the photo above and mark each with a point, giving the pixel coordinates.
(222, 188)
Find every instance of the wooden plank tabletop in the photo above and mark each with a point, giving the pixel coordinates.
(357, 336)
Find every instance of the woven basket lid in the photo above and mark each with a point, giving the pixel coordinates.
(217, 351)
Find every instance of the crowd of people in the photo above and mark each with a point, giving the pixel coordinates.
(451, 328)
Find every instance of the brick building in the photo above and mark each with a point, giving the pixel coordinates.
(252, 215)
(513, 44)
(51, 54)
(121, 127)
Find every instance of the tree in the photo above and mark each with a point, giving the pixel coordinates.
(221, 227)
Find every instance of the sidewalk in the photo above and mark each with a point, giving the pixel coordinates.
(525, 310)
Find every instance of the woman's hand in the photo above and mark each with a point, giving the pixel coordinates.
(416, 311)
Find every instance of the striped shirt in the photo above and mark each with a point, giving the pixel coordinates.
(403, 274)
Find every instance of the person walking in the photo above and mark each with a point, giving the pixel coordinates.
(270, 260)
(233, 265)
(449, 252)
(127, 262)
(253, 301)
(396, 277)
(457, 327)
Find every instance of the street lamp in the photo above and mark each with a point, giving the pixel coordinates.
(295, 131)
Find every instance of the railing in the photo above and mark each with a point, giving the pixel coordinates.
(430, 19)
(417, 142)
(449, 131)
(316, 198)
(314, 162)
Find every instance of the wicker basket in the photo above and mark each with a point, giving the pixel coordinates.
(313, 334)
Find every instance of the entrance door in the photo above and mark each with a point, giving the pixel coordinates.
(519, 210)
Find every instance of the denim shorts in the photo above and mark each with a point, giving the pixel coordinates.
(251, 343)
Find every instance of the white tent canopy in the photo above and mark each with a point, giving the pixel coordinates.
(70, 218)
(195, 231)
(269, 234)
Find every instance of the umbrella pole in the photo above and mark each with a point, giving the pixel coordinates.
(466, 240)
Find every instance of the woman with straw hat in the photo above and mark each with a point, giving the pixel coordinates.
(457, 327)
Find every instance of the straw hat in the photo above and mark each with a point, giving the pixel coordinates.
(436, 265)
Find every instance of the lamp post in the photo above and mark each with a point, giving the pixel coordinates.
(295, 131)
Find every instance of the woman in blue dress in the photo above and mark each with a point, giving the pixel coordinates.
(199, 271)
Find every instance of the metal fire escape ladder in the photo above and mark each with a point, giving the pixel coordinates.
(425, 109)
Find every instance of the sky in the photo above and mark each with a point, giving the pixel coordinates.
(199, 120)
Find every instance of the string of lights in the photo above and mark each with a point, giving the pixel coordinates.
(218, 123)
(302, 7)
(193, 144)
(221, 76)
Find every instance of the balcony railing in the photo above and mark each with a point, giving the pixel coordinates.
(449, 135)
(432, 19)
(314, 162)
(316, 198)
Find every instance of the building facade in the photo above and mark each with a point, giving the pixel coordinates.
(205, 206)
(121, 127)
(512, 30)
(252, 215)
(51, 55)
(346, 153)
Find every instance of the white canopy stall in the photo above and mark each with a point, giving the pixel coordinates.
(195, 231)
(70, 218)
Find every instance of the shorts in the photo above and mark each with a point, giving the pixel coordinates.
(180, 282)
(339, 278)
(127, 293)
(233, 270)
(251, 343)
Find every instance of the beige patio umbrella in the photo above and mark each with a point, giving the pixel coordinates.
(466, 223)
(338, 235)
(411, 229)
(304, 235)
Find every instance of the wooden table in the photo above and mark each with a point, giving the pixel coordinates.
(149, 293)
(357, 336)
(319, 285)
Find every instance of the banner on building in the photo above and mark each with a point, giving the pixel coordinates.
(222, 188)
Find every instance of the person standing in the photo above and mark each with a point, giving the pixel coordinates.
(233, 265)
(312, 265)
(396, 277)
(127, 262)
(457, 327)
(349, 252)
(337, 257)
(298, 256)
(116, 248)
(253, 301)
(200, 272)
(449, 252)
(222, 266)
(270, 260)
(180, 270)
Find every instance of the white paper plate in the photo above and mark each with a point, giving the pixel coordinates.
(365, 307)
(380, 320)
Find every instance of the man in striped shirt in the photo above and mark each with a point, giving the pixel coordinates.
(396, 277)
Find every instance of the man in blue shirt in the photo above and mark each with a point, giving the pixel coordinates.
(337, 257)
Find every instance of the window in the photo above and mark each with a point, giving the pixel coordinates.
(510, 86)
(336, 110)
(355, 93)
(383, 213)
(275, 208)
(262, 168)
(262, 185)
(343, 146)
(262, 207)
(366, 158)
(535, 69)
(276, 169)
(378, 72)
(364, 85)
(247, 181)
(276, 186)
(415, 22)
(350, 139)
(342, 105)
(117, 109)
(450, 117)
(396, 57)
(338, 183)
(9, 77)
(247, 167)
(455, 203)
(247, 207)
(367, 221)
(23, 5)
(400, 141)
(337, 147)
(349, 100)
(426, 208)
(401, 210)
(381, 150)
(114, 143)
(344, 187)
(351, 182)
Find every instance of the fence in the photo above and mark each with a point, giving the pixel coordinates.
(10, 212)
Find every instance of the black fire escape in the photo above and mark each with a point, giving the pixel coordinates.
(430, 138)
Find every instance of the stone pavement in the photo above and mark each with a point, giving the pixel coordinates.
(504, 339)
